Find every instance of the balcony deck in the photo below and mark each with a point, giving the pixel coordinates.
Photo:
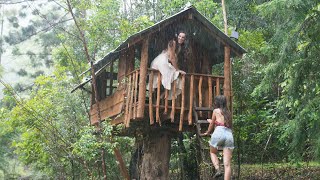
(198, 91)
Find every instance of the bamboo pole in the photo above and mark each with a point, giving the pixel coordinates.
(173, 109)
(143, 78)
(128, 101)
(150, 98)
(191, 99)
(200, 94)
(135, 95)
(131, 99)
(158, 98)
(210, 94)
(166, 101)
(182, 103)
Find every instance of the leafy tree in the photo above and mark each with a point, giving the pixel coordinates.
(30, 23)
(291, 74)
(275, 85)
(52, 133)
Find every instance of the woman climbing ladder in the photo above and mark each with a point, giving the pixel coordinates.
(222, 137)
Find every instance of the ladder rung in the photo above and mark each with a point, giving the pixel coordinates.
(205, 147)
(203, 109)
(202, 122)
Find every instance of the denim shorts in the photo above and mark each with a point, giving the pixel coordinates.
(222, 137)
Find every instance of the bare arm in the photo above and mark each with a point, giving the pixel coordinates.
(211, 125)
(173, 61)
(172, 54)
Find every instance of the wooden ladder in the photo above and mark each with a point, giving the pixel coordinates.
(201, 126)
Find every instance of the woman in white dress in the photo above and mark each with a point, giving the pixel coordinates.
(166, 64)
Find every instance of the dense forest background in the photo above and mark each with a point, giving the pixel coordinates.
(45, 131)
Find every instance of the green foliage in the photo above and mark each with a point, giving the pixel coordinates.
(45, 139)
(4, 139)
(298, 57)
(275, 85)
(128, 28)
(53, 133)
(89, 147)
(252, 40)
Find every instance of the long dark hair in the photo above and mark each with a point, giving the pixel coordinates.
(221, 103)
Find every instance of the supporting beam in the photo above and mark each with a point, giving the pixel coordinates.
(227, 77)
(143, 78)
(227, 63)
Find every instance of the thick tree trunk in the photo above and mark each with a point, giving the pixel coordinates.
(135, 163)
(156, 156)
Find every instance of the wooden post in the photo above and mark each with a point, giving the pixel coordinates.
(150, 98)
(143, 78)
(182, 103)
(158, 98)
(191, 99)
(227, 64)
(131, 99)
(227, 77)
(173, 109)
(200, 93)
(210, 94)
(135, 95)
(166, 101)
(127, 114)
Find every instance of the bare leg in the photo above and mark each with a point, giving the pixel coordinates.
(227, 155)
(214, 157)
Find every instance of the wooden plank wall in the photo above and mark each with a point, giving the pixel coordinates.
(131, 97)
(109, 107)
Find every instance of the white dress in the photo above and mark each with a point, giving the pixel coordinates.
(168, 72)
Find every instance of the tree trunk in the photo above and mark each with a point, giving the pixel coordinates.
(156, 156)
(135, 163)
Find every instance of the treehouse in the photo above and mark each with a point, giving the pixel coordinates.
(124, 77)
(123, 88)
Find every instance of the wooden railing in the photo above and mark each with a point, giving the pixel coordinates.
(197, 90)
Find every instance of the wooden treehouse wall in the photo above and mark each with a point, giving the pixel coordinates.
(111, 96)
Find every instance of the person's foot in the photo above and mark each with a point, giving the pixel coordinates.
(218, 173)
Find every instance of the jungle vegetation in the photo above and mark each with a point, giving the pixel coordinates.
(45, 131)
